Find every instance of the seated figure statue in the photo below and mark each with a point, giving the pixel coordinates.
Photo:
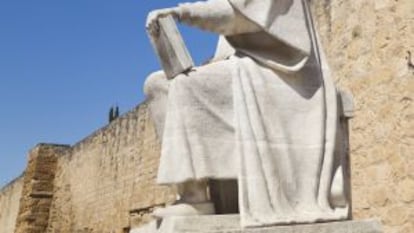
(263, 111)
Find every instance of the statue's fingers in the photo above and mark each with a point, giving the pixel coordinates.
(152, 16)
(154, 28)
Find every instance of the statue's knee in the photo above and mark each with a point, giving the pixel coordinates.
(155, 83)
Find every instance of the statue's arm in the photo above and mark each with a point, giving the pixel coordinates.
(216, 16)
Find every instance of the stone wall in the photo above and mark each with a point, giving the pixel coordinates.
(38, 189)
(367, 43)
(9, 205)
(107, 182)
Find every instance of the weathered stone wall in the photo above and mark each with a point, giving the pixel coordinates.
(9, 205)
(105, 183)
(108, 180)
(37, 192)
(367, 43)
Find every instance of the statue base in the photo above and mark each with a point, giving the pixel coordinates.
(231, 224)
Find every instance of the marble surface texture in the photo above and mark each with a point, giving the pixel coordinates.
(230, 224)
(266, 115)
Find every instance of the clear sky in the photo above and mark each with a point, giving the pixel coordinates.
(63, 63)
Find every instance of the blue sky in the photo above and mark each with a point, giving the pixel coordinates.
(64, 63)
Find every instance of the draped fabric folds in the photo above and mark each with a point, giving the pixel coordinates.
(284, 21)
(268, 119)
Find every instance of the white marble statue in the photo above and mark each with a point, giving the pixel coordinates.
(263, 111)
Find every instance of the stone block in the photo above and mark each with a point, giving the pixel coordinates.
(231, 224)
(406, 190)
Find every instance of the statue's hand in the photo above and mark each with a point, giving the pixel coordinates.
(153, 16)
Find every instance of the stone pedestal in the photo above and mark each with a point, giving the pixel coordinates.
(231, 224)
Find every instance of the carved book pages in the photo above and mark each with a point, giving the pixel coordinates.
(170, 48)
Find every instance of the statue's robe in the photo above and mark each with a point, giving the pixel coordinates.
(266, 116)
